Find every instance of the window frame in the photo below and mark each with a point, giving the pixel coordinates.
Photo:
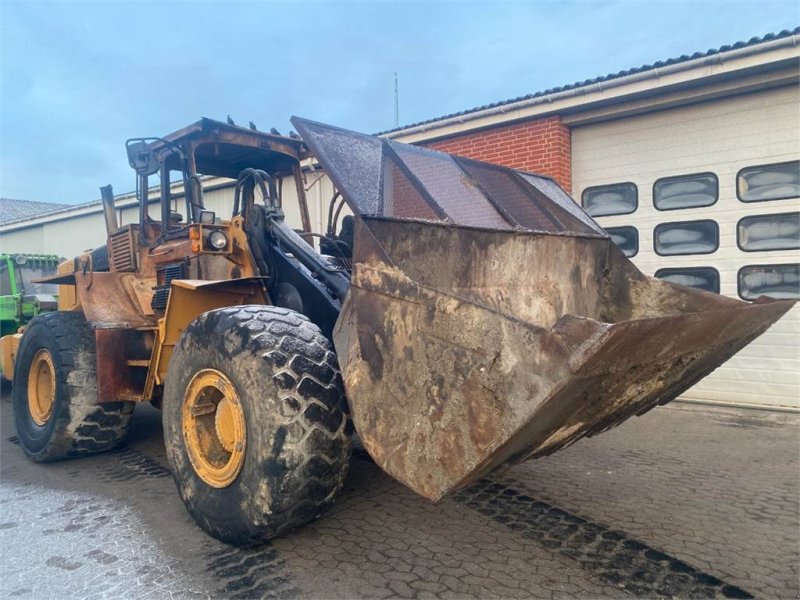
(675, 177)
(738, 239)
(760, 265)
(655, 239)
(611, 185)
(635, 229)
(777, 164)
(692, 268)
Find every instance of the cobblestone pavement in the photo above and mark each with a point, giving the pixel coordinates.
(685, 502)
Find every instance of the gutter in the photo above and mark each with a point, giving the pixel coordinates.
(655, 73)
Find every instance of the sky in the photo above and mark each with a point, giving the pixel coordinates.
(79, 78)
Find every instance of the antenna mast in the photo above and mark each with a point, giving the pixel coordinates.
(396, 103)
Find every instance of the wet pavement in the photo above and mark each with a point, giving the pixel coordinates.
(686, 501)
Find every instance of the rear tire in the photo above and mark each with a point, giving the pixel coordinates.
(255, 423)
(56, 412)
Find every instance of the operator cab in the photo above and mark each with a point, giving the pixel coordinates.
(188, 240)
(209, 148)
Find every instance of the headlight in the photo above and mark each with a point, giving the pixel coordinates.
(218, 240)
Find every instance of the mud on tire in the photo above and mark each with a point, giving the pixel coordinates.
(77, 424)
(298, 431)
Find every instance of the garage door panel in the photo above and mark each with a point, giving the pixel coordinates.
(720, 137)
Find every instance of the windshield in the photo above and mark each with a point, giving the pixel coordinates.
(28, 272)
(5, 280)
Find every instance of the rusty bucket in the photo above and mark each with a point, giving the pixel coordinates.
(490, 320)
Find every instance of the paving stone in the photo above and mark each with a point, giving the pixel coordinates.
(684, 502)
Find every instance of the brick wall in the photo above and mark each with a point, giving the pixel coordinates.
(541, 146)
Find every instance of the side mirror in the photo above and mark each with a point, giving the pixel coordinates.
(141, 157)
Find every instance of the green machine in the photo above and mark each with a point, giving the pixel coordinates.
(20, 298)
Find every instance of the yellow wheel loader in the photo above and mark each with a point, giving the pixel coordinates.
(466, 318)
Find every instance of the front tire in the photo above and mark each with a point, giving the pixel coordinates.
(255, 422)
(56, 412)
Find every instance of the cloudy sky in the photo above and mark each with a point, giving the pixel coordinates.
(78, 78)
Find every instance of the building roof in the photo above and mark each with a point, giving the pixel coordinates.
(611, 76)
(12, 210)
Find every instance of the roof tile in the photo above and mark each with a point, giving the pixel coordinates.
(12, 210)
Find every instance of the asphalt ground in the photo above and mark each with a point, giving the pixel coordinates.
(687, 501)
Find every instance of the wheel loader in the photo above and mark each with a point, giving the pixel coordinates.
(465, 318)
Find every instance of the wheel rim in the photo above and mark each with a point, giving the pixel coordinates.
(214, 428)
(41, 387)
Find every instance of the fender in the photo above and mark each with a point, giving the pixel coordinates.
(188, 299)
(8, 354)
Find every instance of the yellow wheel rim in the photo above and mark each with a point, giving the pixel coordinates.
(214, 428)
(41, 387)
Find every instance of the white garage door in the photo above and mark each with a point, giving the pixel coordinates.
(707, 229)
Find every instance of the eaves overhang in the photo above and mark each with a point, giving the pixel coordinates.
(761, 65)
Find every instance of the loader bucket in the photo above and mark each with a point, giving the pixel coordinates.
(490, 320)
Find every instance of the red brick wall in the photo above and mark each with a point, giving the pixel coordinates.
(541, 146)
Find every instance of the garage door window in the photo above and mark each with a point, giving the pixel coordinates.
(702, 278)
(627, 238)
(605, 200)
(686, 191)
(778, 281)
(769, 232)
(687, 237)
(769, 182)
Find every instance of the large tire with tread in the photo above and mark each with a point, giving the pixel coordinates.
(75, 424)
(296, 448)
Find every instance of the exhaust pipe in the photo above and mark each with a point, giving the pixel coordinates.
(109, 208)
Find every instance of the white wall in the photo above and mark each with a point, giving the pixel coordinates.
(721, 137)
(70, 233)
(64, 238)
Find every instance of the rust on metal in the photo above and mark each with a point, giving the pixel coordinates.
(115, 349)
(458, 366)
(490, 320)
(115, 300)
